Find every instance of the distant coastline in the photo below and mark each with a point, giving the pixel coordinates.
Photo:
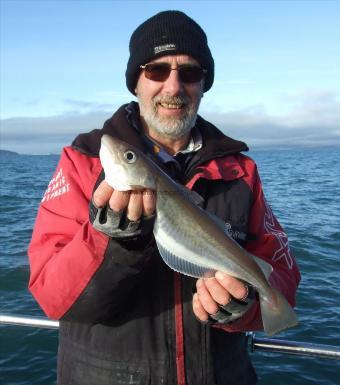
(252, 148)
(7, 152)
(13, 153)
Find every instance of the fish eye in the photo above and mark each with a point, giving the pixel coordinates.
(130, 156)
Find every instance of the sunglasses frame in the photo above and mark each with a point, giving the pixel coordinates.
(169, 69)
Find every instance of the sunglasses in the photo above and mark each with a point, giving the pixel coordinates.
(159, 72)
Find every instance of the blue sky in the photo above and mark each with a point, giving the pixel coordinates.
(277, 79)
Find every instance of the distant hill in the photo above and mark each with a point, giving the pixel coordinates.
(6, 152)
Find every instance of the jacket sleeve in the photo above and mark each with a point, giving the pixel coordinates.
(76, 272)
(271, 244)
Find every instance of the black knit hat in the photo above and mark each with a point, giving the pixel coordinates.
(168, 33)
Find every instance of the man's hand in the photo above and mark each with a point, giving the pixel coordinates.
(214, 292)
(137, 203)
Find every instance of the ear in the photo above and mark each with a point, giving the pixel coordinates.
(202, 88)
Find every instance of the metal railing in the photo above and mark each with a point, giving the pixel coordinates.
(28, 321)
(293, 347)
(255, 343)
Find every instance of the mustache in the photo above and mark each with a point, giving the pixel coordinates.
(179, 100)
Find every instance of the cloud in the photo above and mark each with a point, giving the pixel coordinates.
(313, 120)
(87, 105)
(48, 134)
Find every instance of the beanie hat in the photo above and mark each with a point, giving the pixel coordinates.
(168, 33)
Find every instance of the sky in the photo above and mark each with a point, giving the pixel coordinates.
(277, 69)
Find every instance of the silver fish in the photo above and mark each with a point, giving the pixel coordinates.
(190, 240)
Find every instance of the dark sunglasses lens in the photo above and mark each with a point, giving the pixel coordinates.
(160, 72)
(191, 74)
(157, 72)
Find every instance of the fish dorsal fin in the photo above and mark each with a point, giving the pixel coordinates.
(266, 268)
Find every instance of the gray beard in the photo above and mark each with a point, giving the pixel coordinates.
(171, 127)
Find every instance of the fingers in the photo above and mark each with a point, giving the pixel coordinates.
(149, 202)
(206, 298)
(119, 200)
(233, 285)
(136, 203)
(216, 291)
(131, 201)
(198, 309)
(141, 203)
(102, 194)
(135, 206)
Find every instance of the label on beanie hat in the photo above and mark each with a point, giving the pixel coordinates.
(165, 47)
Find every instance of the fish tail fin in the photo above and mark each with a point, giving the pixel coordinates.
(277, 314)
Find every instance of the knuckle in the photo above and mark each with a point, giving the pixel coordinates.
(222, 299)
(149, 206)
(198, 309)
(241, 292)
(213, 309)
(208, 304)
(228, 281)
(118, 200)
(99, 198)
(199, 283)
(134, 210)
(211, 283)
(133, 216)
(208, 281)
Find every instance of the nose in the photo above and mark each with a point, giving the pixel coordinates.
(173, 85)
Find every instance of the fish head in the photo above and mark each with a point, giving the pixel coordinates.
(125, 167)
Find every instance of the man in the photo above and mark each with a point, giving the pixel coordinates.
(125, 317)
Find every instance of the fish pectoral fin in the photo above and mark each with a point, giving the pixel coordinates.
(266, 268)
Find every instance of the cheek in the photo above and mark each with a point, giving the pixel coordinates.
(195, 91)
(147, 89)
(195, 95)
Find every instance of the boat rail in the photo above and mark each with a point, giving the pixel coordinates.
(293, 347)
(254, 343)
(28, 321)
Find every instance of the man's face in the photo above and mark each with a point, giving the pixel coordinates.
(169, 107)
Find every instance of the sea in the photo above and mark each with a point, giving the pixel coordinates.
(302, 187)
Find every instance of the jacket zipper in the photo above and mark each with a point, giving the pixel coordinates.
(180, 358)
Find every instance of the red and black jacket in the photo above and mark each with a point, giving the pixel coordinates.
(125, 317)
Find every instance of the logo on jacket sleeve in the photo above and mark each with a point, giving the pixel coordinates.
(57, 187)
(283, 251)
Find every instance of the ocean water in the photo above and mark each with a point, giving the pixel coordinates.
(302, 187)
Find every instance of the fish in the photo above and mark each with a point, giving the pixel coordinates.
(191, 240)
